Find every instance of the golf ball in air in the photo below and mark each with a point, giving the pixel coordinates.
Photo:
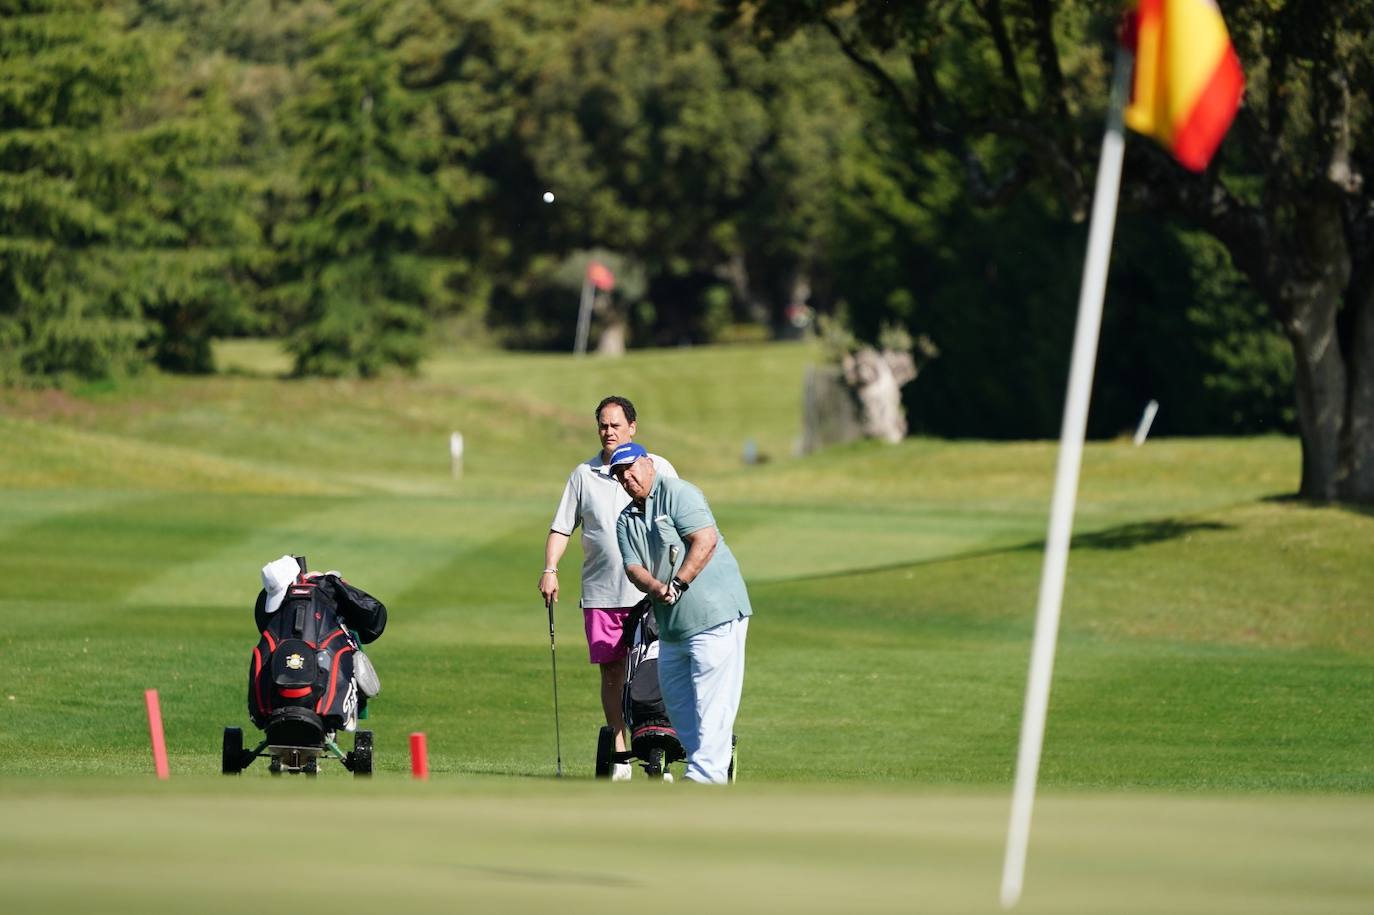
(548, 196)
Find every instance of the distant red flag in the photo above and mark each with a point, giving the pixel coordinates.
(600, 277)
(1188, 81)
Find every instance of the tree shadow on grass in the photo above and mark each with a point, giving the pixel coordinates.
(1354, 508)
(1123, 537)
(1141, 533)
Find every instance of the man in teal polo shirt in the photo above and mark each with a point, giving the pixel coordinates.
(701, 606)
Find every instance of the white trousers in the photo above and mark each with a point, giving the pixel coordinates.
(701, 680)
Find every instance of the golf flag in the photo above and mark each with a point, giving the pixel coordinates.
(600, 277)
(1188, 80)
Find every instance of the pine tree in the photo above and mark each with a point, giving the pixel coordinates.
(112, 228)
(372, 194)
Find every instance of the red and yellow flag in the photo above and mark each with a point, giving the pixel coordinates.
(1188, 80)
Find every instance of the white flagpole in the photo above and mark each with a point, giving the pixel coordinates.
(584, 315)
(1066, 483)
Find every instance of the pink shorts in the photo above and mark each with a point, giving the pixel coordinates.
(605, 631)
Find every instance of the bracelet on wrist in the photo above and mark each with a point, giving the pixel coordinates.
(554, 571)
(681, 585)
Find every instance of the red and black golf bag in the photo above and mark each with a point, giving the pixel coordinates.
(301, 680)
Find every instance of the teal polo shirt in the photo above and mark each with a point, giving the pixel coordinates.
(674, 510)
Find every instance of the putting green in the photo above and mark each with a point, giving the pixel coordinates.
(538, 846)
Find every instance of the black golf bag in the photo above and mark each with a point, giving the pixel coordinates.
(301, 682)
(652, 737)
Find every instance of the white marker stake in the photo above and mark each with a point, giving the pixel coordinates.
(1066, 484)
(455, 452)
(1146, 419)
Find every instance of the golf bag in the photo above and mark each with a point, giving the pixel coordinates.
(645, 715)
(301, 681)
(653, 740)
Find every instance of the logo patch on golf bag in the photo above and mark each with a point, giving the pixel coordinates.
(293, 668)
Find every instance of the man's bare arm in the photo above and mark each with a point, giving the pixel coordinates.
(701, 546)
(553, 552)
(641, 579)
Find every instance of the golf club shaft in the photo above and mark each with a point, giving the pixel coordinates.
(553, 656)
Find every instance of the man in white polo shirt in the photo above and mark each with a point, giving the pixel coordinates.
(594, 499)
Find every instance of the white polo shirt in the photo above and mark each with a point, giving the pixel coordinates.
(595, 499)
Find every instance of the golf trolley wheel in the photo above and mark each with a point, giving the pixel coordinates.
(311, 768)
(605, 752)
(232, 759)
(360, 758)
(274, 766)
(653, 766)
(734, 756)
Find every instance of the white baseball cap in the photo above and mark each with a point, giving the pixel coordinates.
(277, 576)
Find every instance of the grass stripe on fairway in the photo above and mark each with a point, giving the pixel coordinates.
(532, 847)
(53, 455)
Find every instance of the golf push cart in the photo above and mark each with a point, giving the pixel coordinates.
(653, 741)
(308, 677)
(296, 742)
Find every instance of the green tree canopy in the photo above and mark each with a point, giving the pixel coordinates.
(376, 185)
(117, 238)
(1013, 95)
(705, 163)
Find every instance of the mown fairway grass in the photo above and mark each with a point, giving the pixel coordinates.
(1215, 674)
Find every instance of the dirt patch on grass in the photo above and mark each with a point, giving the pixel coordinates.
(45, 404)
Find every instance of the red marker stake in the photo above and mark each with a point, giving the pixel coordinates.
(155, 731)
(419, 756)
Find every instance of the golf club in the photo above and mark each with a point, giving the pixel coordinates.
(672, 562)
(553, 655)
